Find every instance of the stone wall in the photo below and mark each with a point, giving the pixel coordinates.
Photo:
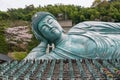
(18, 37)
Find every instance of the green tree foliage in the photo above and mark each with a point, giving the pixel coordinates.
(34, 42)
(4, 15)
(3, 43)
(99, 10)
(109, 10)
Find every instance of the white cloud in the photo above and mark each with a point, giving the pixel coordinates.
(4, 4)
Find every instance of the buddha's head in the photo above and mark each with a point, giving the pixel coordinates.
(45, 26)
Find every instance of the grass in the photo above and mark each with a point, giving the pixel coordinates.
(18, 55)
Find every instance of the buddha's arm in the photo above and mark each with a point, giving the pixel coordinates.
(94, 26)
(103, 27)
(38, 51)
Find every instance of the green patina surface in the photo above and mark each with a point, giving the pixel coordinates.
(89, 39)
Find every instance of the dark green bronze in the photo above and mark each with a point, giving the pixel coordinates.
(89, 39)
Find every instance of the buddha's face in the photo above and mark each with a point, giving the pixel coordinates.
(50, 28)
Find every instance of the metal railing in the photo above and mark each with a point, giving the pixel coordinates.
(83, 69)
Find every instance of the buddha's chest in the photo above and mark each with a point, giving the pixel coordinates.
(75, 45)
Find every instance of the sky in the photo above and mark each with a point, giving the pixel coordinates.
(5, 4)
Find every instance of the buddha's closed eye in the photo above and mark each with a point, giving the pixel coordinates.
(50, 20)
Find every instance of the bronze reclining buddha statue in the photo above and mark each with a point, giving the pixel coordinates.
(89, 39)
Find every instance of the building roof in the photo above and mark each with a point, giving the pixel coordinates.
(65, 23)
(4, 58)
